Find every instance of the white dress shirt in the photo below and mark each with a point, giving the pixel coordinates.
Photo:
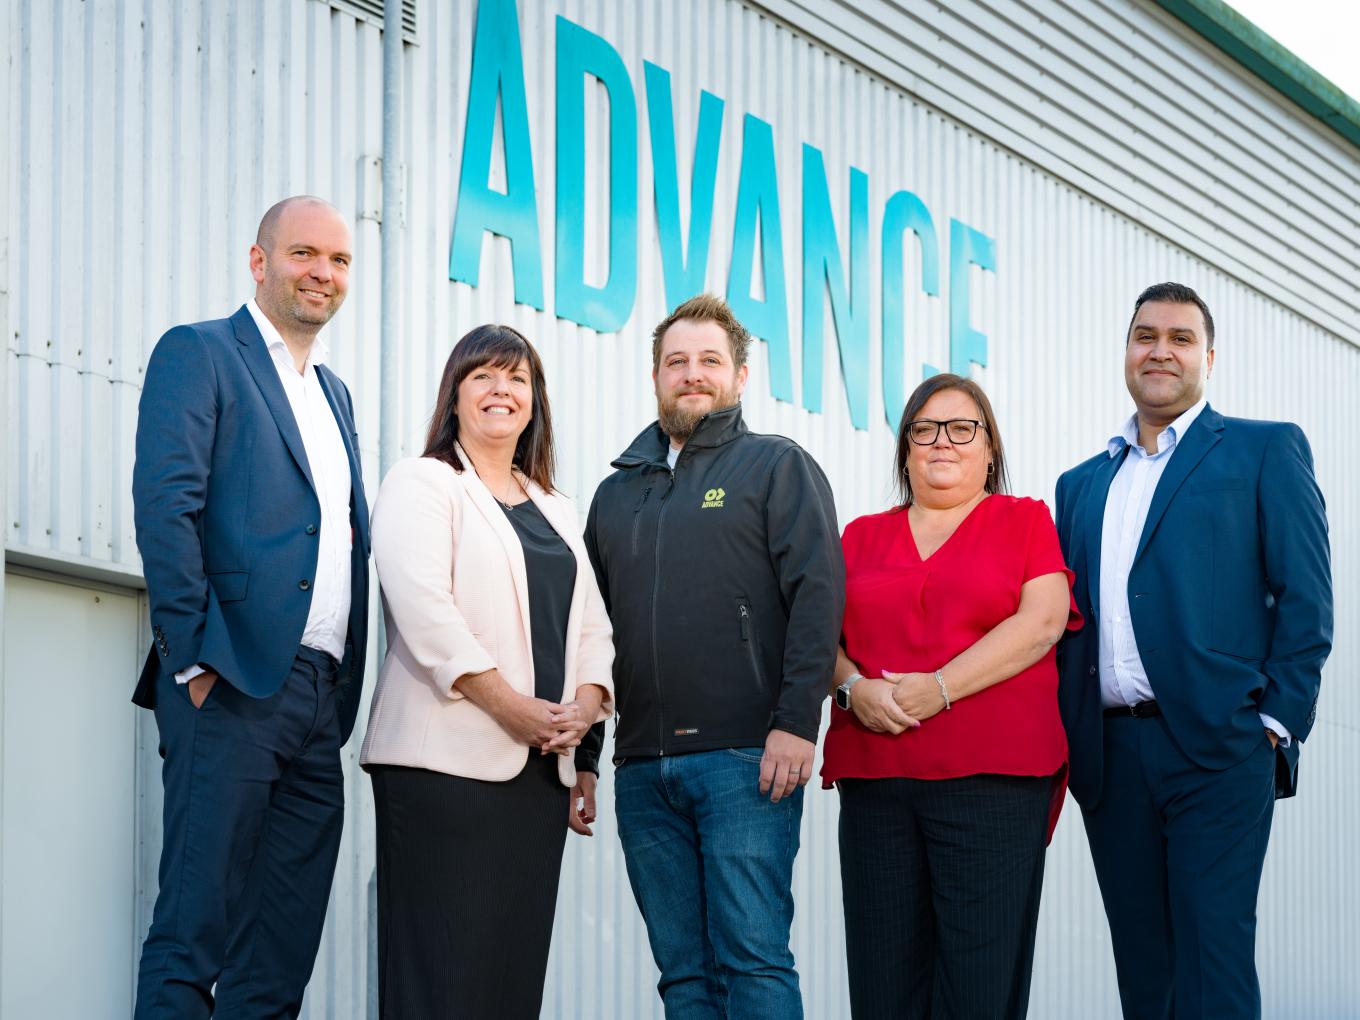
(328, 616)
(1123, 680)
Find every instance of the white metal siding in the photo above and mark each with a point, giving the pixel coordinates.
(148, 137)
(1127, 103)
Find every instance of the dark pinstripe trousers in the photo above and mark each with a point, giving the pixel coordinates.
(941, 881)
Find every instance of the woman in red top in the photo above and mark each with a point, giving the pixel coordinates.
(946, 745)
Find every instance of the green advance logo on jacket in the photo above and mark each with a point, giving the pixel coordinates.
(713, 499)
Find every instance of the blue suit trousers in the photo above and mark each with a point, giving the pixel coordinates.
(1178, 849)
(254, 806)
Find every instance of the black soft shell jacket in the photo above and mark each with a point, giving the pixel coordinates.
(725, 585)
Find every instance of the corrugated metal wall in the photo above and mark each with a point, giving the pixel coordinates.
(148, 136)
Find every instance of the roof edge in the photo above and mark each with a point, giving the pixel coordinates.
(1273, 63)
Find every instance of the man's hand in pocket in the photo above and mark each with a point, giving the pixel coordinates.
(199, 687)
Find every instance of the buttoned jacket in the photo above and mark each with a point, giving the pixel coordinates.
(227, 514)
(1230, 595)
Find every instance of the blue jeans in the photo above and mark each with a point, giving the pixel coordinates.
(710, 861)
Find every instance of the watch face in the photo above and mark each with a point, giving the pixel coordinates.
(843, 697)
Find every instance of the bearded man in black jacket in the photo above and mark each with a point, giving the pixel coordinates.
(719, 558)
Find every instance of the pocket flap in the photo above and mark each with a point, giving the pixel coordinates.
(229, 585)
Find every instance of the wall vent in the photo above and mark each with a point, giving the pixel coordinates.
(372, 12)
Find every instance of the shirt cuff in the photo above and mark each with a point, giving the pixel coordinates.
(1271, 723)
(185, 675)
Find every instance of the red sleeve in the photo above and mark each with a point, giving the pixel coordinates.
(850, 540)
(1043, 555)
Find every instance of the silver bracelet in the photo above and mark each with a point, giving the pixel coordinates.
(944, 691)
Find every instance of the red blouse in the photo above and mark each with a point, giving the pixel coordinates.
(906, 615)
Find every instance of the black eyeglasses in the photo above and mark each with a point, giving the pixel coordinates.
(925, 431)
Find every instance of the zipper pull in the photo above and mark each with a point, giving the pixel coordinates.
(745, 622)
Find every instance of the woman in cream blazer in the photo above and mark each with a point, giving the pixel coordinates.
(498, 660)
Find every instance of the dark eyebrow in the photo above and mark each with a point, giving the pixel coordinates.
(1142, 327)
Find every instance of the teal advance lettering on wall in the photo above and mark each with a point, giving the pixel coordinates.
(758, 199)
(834, 265)
(604, 309)
(683, 266)
(849, 306)
(497, 74)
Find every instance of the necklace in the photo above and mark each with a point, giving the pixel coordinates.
(514, 484)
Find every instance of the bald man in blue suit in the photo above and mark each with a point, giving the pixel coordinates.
(253, 530)
(1200, 548)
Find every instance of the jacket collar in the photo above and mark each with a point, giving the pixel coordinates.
(715, 429)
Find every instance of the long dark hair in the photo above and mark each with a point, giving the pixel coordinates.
(997, 479)
(499, 347)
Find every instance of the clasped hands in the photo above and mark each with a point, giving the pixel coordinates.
(548, 726)
(895, 701)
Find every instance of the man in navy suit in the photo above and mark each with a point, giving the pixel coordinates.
(1200, 548)
(253, 530)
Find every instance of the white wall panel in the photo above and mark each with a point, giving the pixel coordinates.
(1127, 103)
(148, 135)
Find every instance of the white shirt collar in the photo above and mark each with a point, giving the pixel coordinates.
(1128, 435)
(273, 340)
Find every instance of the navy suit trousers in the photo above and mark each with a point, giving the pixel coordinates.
(254, 806)
(1178, 849)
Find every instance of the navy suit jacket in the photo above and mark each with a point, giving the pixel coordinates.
(1230, 594)
(228, 520)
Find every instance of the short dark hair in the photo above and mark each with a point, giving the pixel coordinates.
(499, 347)
(705, 308)
(997, 479)
(1174, 294)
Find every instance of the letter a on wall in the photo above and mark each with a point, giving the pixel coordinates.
(497, 75)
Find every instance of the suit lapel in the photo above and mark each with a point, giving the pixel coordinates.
(330, 387)
(261, 365)
(1199, 439)
(1093, 519)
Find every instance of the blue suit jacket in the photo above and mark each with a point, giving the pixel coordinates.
(228, 520)
(1230, 594)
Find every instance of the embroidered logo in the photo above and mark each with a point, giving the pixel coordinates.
(713, 499)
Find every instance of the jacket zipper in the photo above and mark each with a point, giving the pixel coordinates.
(656, 587)
(637, 516)
(746, 635)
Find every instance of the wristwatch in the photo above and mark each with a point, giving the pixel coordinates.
(843, 691)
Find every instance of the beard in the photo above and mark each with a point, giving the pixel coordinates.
(679, 422)
(280, 301)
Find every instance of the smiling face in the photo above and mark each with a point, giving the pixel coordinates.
(694, 376)
(946, 473)
(495, 404)
(301, 268)
(1167, 360)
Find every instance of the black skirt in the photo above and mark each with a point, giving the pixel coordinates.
(467, 888)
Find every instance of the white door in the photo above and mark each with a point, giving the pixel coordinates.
(67, 800)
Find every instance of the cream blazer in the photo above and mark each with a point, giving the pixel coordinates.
(456, 598)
